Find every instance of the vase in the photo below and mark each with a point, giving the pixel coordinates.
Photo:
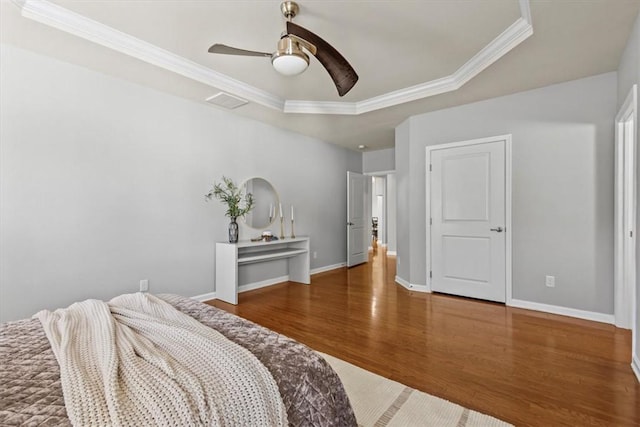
(233, 231)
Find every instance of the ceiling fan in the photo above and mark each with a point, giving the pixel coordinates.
(290, 59)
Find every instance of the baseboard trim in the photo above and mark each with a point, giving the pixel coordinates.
(328, 268)
(262, 284)
(400, 281)
(205, 297)
(392, 253)
(563, 311)
(269, 282)
(635, 366)
(411, 286)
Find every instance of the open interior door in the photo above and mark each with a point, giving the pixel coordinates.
(357, 242)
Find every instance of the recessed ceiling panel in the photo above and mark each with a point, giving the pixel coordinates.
(571, 40)
(391, 44)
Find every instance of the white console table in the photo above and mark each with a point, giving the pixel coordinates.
(231, 256)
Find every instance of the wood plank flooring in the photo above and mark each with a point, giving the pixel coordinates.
(524, 367)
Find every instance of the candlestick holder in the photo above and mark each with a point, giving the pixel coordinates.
(282, 227)
(293, 235)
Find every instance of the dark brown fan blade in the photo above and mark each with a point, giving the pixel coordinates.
(228, 50)
(342, 74)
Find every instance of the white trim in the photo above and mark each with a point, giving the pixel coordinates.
(563, 311)
(322, 107)
(205, 297)
(525, 11)
(63, 19)
(635, 366)
(269, 282)
(66, 20)
(262, 284)
(328, 268)
(508, 171)
(400, 281)
(392, 253)
(411, 286)
(625, 282)
(380, 173)
(496, 49)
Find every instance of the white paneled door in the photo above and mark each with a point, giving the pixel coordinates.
(357, 242)
(468, 220)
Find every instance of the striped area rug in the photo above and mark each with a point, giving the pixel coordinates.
(379, 402)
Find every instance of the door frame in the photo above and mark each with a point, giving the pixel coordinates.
(507, 200)
(625, 280)
(366, 214)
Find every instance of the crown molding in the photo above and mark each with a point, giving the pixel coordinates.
(73, 23)
(321, 107)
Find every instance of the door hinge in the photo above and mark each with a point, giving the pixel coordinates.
(631, 233)
(430, 274)
(430, 167)
(430, 221)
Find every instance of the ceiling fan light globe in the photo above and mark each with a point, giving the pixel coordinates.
(290, 64)
(289, 59)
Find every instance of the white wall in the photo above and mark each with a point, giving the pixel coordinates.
(628, 75)
(102, 184)
(562, 187)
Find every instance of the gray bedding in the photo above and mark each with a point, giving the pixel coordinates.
(31, 394)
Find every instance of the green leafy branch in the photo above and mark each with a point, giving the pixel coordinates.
(229, 193)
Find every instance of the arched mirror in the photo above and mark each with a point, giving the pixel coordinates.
(266, 201)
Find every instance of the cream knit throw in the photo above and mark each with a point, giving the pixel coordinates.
(137, 361)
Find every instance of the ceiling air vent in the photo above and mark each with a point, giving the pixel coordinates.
(226, 100)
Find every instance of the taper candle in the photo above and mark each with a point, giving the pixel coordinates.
(281, 210)
(291, 212)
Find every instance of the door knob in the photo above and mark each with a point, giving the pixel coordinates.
(499, 229)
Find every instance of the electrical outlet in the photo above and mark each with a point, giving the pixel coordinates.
(550, 281)
(144, 285)
(315, 254)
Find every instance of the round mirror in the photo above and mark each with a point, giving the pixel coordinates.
(266, 201)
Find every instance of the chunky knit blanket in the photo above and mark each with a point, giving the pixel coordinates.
(136, 360)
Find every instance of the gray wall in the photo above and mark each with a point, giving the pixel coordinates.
(628, 75)
(379, 160)
(102, 184)
(391, 213)
(403, 185)
(562, 187)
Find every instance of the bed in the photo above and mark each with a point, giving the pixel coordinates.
(31, 391)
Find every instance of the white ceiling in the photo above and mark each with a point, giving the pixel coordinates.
(393, 45)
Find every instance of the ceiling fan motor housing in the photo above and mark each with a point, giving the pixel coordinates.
(289, 59)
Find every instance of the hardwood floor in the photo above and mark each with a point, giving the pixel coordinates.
(524, 367)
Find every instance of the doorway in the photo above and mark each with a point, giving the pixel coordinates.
(378, 211)
(468, 206)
